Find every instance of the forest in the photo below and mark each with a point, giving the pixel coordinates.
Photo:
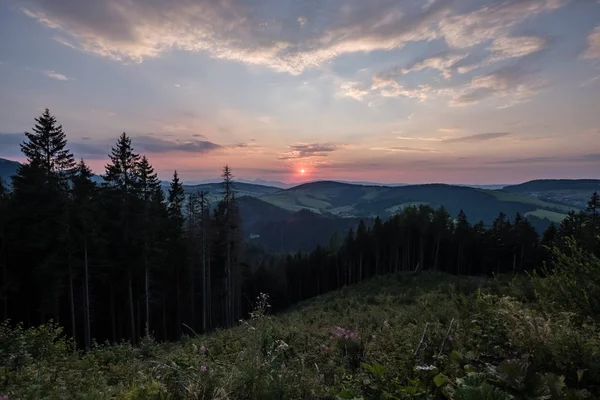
(123, 259)
(120, 290)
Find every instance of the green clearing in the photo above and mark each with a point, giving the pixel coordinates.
(506, 196)
(550, 215)
(406, 336)
(398, 208)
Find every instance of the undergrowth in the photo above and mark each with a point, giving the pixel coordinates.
(427, 336)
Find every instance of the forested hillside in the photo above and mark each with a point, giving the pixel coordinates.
(122, 260)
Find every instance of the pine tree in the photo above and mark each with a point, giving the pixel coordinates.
(84, 192)
(122, 181)
(148, 189)
(46, 146)
(41, 208)
(175, 237)
(5, 282)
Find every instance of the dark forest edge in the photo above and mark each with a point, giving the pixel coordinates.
(111, 261)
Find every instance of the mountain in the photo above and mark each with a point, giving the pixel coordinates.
(260, 182)
(348, 200)
(572, 192)
(8, 168)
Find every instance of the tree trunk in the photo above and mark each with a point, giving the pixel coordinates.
(131, 312)
(72, 301)
(88, 332)
(192, 296)
(437, 252)
(147, 292)
(113, 317)
(360, 268)
(208, 292)
(178, 306)
(164, 317)
(5, 298)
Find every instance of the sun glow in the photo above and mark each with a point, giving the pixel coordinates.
(302, 171)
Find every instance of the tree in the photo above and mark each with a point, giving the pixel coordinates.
(123, 185)
(41, 210)
(149, 189)
(83, 198)
(176, 199)
(5, 283)
(46, 146)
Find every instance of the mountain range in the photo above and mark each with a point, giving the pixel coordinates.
(302, 216)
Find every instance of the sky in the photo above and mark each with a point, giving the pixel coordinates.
(391, 91)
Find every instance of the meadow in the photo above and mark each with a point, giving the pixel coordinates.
(400, 336)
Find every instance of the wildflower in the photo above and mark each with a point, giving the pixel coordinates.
(202, 349)
(373, 337)
(425, 367)
(3, 397)
(212, 372)
(450, 339)
(325, 347)
(203, 368)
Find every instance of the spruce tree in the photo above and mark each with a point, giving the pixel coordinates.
(122, 181)
(84, 197)
(175, 238)
(46, 146)
(41, 210)
(150, 196)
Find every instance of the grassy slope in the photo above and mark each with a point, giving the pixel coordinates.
(300, 355)
(369, 201)
(573, 192)
(549, 215)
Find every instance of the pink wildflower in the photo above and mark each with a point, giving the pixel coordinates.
(373, 337)
(325, 347)
(203, 368)
(202, 349)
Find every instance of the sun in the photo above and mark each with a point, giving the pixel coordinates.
(302, 171)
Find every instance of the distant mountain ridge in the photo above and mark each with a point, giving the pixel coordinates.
(301, 216)
(8, 168)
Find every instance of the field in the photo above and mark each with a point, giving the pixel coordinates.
(428, 336)
(549, 215)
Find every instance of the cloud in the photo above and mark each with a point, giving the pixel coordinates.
(424, 139)
(255, 33)
(443, 62)
(579, 158)
(492, 21)
(593, 45)
(156, 145)
(507, 47)
(236, 30)
(385, 88)
(309, 150)
(55, 75)
(403, 149)
(510, 81)
(480, 137)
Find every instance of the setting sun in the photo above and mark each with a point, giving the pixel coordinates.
(302, 171)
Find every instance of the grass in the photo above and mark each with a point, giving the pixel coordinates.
(506, 196)
(398, 208)
(549, 215)
(428, 336)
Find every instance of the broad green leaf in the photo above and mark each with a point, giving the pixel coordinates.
(441, 379)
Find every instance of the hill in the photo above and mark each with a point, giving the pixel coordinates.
(482, 339)
(348, 200)
(572, 192)
(8, 168)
